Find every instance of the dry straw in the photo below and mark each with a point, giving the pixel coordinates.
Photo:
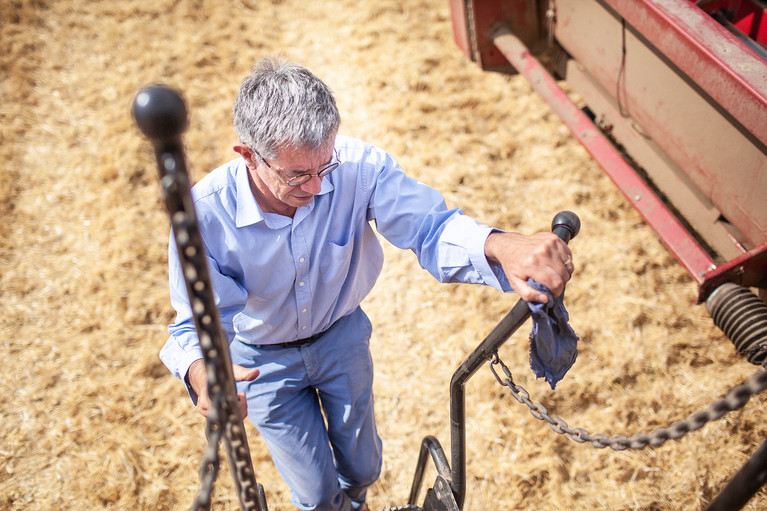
(92, 420)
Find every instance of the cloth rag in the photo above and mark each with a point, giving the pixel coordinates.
(553, 343)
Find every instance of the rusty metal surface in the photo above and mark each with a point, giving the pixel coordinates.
(459, 18)
(748, 270)
(673, 234)
(701, 214)
(720, 64)
(706, 165)
(472, 22)
(723, 161)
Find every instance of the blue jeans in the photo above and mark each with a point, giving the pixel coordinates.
(328, 466)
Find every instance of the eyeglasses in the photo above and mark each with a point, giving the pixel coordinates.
(306, 176)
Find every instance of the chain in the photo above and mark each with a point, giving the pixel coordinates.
(223, 420)
(734, 400)
(210, 459)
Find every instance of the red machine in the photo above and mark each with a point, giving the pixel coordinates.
(676, 114)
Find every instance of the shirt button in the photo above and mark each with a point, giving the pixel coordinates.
(301, 283)
(304, 311)
(303, 327)
(301, 260)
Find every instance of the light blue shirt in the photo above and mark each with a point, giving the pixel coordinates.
(278, 279)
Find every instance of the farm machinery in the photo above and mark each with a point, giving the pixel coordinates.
(670, 98)
(672, 104)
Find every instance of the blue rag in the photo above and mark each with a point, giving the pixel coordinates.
(553, 344)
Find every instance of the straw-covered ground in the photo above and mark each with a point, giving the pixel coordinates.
(92, 420)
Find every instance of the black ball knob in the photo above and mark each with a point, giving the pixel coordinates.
(160, 113)
(568, 221)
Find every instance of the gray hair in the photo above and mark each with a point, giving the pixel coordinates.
(284, 104)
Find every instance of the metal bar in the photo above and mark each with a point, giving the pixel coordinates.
(670, 230)
(748, 270)
(744, 484)
(566, 225)
(484, 352)
(429, 445)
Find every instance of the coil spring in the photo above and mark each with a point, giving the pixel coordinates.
(742, 316)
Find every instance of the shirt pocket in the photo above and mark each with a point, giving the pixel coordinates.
(336, 261)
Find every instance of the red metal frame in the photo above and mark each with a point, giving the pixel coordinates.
(673, 234)
(730, 72)
(748, 17)
(721, 65)
(749, 269)
(473, 36)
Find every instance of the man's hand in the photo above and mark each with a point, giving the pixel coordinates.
(199, 382)
(543, 257)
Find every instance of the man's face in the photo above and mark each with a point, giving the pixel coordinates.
(269, 178)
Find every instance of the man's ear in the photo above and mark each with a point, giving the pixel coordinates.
(246, 153)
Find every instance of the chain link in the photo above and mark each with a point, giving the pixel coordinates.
(210, 461)
(734, 400)
(223, 421)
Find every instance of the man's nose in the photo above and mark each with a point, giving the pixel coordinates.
(313, 186)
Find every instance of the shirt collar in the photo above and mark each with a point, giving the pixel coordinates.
(248, 212)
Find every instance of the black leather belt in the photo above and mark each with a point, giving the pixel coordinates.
(294, 344)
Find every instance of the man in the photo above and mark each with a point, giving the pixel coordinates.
(292, 254)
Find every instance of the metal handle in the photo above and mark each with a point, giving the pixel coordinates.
(160, 113)
(566, 225)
